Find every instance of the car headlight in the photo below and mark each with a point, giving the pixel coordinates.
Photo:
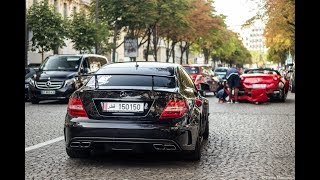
(31, 82)
(69, 82)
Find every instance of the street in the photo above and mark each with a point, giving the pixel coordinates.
(246, 141)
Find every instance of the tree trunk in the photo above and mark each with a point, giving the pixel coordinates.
(181, 52)
(148, 43)
(187, 55)
(42, 54)
(115, 44)
(168, 50)
(206, 55)
(173, 44)
(155, 43)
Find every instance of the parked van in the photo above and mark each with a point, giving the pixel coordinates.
(56, 78)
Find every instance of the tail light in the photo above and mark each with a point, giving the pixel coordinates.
(174, 109)
(75, 108)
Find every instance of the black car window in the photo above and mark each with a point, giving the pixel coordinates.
(192, 70)
(61, 63)
(132, 80)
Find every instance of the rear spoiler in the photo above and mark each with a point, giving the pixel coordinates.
(96, 84)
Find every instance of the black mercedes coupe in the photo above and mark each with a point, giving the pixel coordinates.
(137, 107)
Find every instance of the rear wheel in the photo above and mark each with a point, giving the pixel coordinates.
(282, 96)
(195, 154)
(293, 88)
(206, 131)
(77, 153)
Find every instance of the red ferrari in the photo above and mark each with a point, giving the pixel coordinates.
(261, 85)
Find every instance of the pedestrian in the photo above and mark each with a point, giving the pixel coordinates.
(233, 79)
(222, 92)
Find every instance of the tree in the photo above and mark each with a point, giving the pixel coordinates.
(279, 16)
(85, 33)
(48, 27)
(280, 28)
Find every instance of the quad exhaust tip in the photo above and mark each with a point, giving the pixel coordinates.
(80, 144)
(163, 147)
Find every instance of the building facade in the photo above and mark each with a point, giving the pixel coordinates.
(65, 8)
(252, 37)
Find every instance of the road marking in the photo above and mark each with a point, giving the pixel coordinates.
(43, 144)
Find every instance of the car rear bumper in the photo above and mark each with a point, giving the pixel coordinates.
(123, 135)
(272, 94)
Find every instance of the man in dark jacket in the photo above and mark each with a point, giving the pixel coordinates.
(233, 79)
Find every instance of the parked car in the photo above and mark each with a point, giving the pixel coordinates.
(56, 78)
(276, 86)
(137, 107)
(203, 77)
(29, 72)
(34, 65)
(221, 71)
(292, 80)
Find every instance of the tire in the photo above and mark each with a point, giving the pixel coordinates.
(77, 153)
(293, 88)
(205, 134)
(34, 100)
(283, 96)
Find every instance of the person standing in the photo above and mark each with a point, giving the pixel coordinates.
(233, 79)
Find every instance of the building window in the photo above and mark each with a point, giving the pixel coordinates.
(65, 10)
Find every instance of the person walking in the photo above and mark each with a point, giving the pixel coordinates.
(233, 79)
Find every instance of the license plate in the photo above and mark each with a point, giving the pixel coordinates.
(48, 92)
(122, 107)
(259, 86)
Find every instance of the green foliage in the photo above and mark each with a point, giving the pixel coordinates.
(48, 27)
(87, 34)
(82, 32)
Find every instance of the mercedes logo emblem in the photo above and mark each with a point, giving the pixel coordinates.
(48, 83)
(123, 94)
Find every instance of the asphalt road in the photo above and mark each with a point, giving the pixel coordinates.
(246, 141)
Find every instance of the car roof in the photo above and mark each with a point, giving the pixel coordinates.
(198, 65)
(83, 55)
(146, 68)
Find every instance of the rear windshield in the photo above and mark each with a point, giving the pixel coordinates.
(61, 63)
(192, 70)
(132, 80)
